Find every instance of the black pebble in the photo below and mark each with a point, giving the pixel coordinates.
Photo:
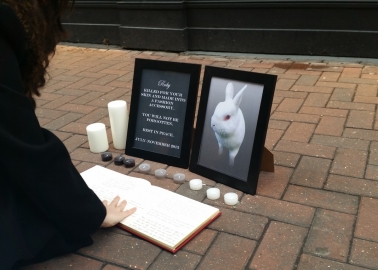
(106, 156)
(118, 160)
(129, 162)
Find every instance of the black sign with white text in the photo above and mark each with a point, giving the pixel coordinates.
(161, 111)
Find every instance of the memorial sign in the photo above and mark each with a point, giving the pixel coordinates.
(162, 111)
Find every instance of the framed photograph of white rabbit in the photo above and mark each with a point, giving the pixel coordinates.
(231, 126)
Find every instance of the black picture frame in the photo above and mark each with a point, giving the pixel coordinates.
(216, 117)
(162, 109)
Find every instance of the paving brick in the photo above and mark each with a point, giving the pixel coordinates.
(340, 142)
(94, 116)
(279, 248)
(303, 72)
(330, 235)
(370, 69)
(312, 89)
(364, 253)
(83, 166)
(351, 72)
(274, 184)
(121, 250)
(316, 100)
(43, 121)
(50, 97)
(69, 78)
(357, 81)
(278, 210)
(350, 162)
(341, 94)
(360, 119)
(369, 76)
(71, 261)
(366, 227)
(329, 76)
(83, 154)
(323, 111)
(307, 80)
(71, 92)
(311, 172)
(354, 186)
(323, 199)
(61, 135)
(364, 99)
(330, 125)
(238, 223)
(74, 127)
(350, 105)
(370, 135)
(79, 84)
(275, 124)
(285, 159)
(315, 263)
(337, 84)
(74, 142)
(300, 132)
(366, 90)
(58, 102)
(256, 64)
(325, 67)
(78, 108)
(296, 117)
(87, 98)
(228, 252)
(272, 137)
(113, 267)
(305, 149)
(373, 156)
(277, 100)
(371, 172)
(180, 260)
(290, 105)
(63, 120)
(201, 242)
(290, 94)
(288, 76)
(56, 86)
(116, 93)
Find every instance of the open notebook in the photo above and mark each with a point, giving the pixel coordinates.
(163, 217)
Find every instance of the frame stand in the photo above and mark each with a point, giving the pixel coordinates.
(267, 161)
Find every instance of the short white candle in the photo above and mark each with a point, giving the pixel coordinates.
(231, 198)
(160, 173)
(179, 178)
(213, 193)
(97, 138)
(144, 167)
(195, 184)
(118, 122)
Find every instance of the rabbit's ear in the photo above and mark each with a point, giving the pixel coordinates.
(229, 91)
(238, 97)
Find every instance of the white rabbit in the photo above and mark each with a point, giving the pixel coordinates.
(228, 123)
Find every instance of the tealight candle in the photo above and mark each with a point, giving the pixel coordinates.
(231, 198)
(119, 160)
(106, 156)
(195, 184)
(145, 167)
(97, 138)
(118, 122)
(129, 162)
(160, 173)
(213, 193)
(179, 178)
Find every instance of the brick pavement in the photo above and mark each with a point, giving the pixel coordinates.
(319, 210)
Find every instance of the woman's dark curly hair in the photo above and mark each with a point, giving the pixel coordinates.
(43, 28)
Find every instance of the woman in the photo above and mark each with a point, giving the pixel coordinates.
(46, 209)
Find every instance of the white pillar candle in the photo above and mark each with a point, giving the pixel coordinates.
(160, 173)
(213, 193)
(97, 138)
(179, 178)
(195, 184)
(230, 198)
(118, 122)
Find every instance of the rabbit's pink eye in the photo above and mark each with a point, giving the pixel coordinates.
(227, 117)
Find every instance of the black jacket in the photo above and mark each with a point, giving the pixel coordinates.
(46, 209)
